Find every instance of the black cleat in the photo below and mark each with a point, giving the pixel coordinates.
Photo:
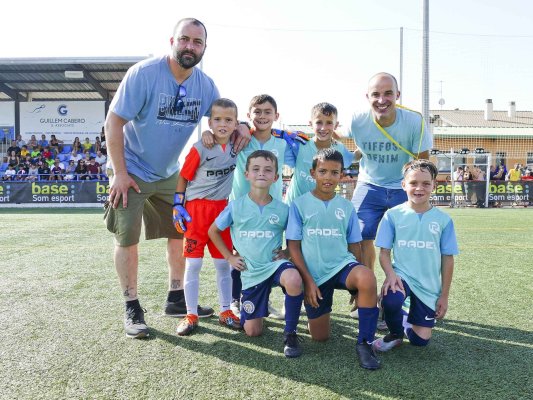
(292, 348)
(367, 357)
(179, 309)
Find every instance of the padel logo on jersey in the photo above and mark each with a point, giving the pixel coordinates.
(417, 244)
(273, 219)
(256, 234)
(324, 232)
(339, 213)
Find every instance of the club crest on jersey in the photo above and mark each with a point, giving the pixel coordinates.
(190, 245)
(273, 219)
(248, 306)
(275, 152)
(434, 227)
(339, 213)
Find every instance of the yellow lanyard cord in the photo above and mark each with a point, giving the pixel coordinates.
(388, 136)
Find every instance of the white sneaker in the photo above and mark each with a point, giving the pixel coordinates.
(273, 313)
(235, 307)
(386, 343)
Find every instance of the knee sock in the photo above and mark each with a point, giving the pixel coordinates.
(236, 284)
(392, 312)
(368, 319)
(415, 339)
(293, 305)
(222, 268)
(192, 284)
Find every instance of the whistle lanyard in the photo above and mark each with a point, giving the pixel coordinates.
(388, 136)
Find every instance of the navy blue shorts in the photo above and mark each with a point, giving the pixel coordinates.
(254, 300)
(338, 281)
(419, 313)
(371, 202)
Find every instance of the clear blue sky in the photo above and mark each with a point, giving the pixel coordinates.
(303, 52)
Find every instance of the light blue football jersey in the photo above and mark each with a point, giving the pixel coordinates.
(324, 228)
(157, 133)
(382, 161)
(417, 242)
(281, 150)
(256, 232)
(302, 181)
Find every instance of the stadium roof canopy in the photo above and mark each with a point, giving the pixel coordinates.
(57, 79)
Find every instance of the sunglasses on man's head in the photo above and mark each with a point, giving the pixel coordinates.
(178, 102)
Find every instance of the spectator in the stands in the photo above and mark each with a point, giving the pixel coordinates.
(33, 173)
(43, 142)
(13, 159)
(94, 169)
(20, 142)
(480, 186)
(9, 173)
(467, 179)
(24, 151)
(97, 144)
(528, 176)
(21, 173)
(87, 146)
(56, 172)
(55, 145)
(76, 145)
(514, 174)
(70, 171)
(14, 148)
(81, 171)
(75, 156)
(47, 153)
(32, 142)
(497, 172)
(458, 174)
(44, 171)
(102, 160)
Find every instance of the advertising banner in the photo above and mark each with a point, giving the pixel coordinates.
(504, 192)
(65, 119)
(61, 192)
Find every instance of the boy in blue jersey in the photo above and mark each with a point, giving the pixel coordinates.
(423, 243)
(324, 243)
(257, 222)
(262, 113)
(324, 122)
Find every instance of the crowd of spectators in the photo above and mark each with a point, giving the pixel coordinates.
(55, 160)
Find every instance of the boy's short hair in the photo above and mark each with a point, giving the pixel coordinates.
(262, 99)
(267, 155)
(324, 108)
(421, 165)
(224, 103)
(328, 154)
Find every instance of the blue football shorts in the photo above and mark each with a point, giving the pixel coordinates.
(337, 281)
(371, 202)
(419, 314)
(254, 300)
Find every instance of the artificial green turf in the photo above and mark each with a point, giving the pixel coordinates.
(62, 328)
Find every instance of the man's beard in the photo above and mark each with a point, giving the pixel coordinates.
(188, 63)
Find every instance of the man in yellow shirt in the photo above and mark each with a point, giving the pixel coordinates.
(514, 174)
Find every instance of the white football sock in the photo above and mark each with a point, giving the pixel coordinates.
(191, 285)
(223, 283)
